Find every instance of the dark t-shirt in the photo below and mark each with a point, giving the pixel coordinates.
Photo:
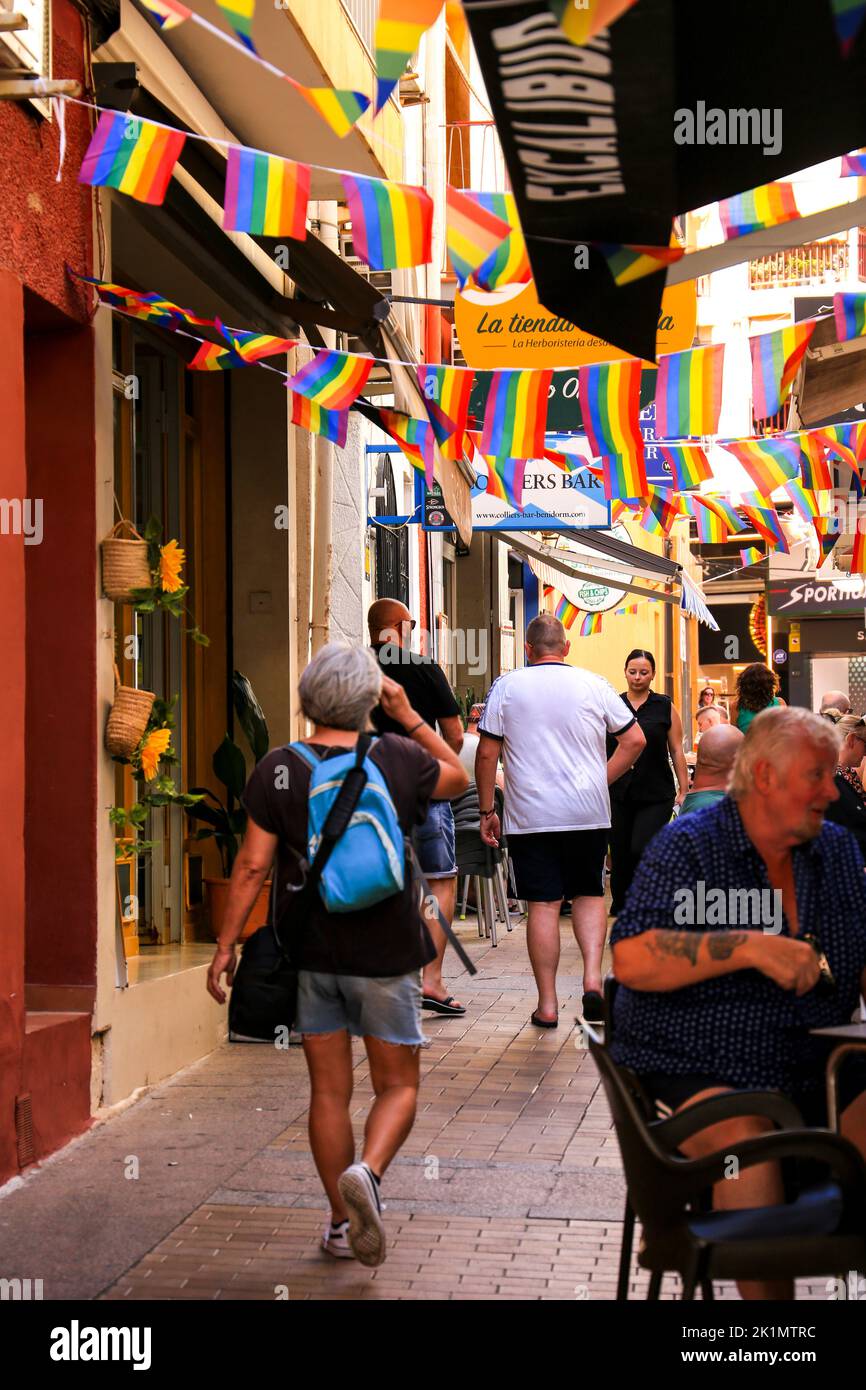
(424, 682)
(650, 779)
(386, 939)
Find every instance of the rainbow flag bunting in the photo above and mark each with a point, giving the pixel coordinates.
(392, 223)
(660, 513)
(766, 522)
(814, 469)
(688, 464)
(854, 165)
(619, 508)
(609, 394)
(566, 612)
(711, 528)
(340, 107)
(143, 305)
(590, 625)
(725, 511)
(472, 234)
(775, 359)
(399, 27)
(828, 530)
(239, 14)
(211, 357)
(167, 13)
(505, 480)
(689, 392)
(580, 23)
(750, 555)
(850, 314)
(848, 16)
(762, 207)
(446, 393)
(508, 264)
(253, 347)
(858, 554)
(332, 424)
(416, 439)
(332, 379)
(805, 501)
(628, 263)
(770, 462)
(624, 477)
(265, 196)
(134, 156)
(516, 414)
(846, 442)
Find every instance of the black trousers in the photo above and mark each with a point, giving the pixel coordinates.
(632, 826)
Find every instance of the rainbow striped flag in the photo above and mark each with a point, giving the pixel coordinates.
(141, 304)
(332, 424)
(689, 392)
(828, 530)
(609, 394)
(566, 612)
(398, 32)
(265, 196)
(516, 414)
(211, 357)
(446, 393)
(814, 469)
(134, 156)
(509, 263)
(848, 16)
(850, 313)
(762, 207)
(590, 625)
(858, 554)
(582, 23)
(624, 477)
(660, 512)
(239, 14)
(628, 263)
(472, 234)
(618, 508)
(775, 359)
(505, 480)
(392, 223)
(415, 437)
(253, 347)
(846, 442)
(341, 107)
(688, 464)
(765, 520)
(805, 501)
(167, 13)
(854, 165)
(770, 462)
(725, 511)
(332, 379)
(750, 555)
(711, 528)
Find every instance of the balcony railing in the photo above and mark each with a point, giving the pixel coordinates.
(816, 263)
(363, 15)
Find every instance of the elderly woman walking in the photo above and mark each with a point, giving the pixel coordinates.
(358, 971)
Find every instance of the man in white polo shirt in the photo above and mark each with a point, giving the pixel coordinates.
(549, 721)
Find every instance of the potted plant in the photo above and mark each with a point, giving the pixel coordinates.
(225, 819)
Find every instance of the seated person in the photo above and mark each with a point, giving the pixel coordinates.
(707, 718)
(850, 809)
(716, 754)
(713, 1000)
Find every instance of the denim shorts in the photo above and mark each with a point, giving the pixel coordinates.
(434, 841)
(386, 1008)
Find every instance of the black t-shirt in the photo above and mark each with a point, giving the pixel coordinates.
(650, 779)
(424, 682)
(386, 939)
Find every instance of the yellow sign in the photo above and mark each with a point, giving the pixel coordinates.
(794, 637)
(510, 328)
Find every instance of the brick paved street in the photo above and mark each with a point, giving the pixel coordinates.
(510, 1185)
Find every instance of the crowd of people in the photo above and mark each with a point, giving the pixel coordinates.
(579, 782)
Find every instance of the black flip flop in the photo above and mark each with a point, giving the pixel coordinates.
(442, 1006)
(544, 1022)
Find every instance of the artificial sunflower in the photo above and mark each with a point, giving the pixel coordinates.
(171, 562)
(153, 748)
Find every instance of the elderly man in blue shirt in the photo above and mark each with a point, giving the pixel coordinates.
(743, 930)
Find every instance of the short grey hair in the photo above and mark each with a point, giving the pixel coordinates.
(777, 735)
(340, 686)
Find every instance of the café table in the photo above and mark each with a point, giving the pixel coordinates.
(851, 1038)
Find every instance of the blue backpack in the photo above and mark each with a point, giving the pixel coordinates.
(368, 861)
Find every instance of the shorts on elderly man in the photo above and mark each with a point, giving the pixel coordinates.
(434, 842)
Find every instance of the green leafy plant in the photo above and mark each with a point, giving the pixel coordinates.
(466, 702)
(155, 596)
(224, 821)
(156, 791)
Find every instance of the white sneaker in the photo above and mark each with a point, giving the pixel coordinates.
(336, 1240)
(360, 1192)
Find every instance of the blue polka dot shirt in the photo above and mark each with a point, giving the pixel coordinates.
(740, 1028)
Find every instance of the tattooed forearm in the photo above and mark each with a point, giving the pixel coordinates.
(675, 943)
(723, 944)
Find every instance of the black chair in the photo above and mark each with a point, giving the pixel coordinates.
(821, 1232)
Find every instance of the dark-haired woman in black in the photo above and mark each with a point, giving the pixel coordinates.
(641, 802)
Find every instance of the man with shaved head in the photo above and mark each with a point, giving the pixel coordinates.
(432, 702)
(717, 750)
(835, 699)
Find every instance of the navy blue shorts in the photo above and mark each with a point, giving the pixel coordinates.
(434, 842)
(558, 864)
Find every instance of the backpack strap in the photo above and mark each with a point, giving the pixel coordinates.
(418, 875)
(305, 753)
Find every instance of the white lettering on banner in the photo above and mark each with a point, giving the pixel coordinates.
(840, 592)
(528, 50)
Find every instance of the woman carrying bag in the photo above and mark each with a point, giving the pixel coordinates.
(358, 971)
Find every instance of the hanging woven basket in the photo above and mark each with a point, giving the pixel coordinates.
(125, 565)
(128, 718)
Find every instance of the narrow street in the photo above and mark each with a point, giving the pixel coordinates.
(510, 1185)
